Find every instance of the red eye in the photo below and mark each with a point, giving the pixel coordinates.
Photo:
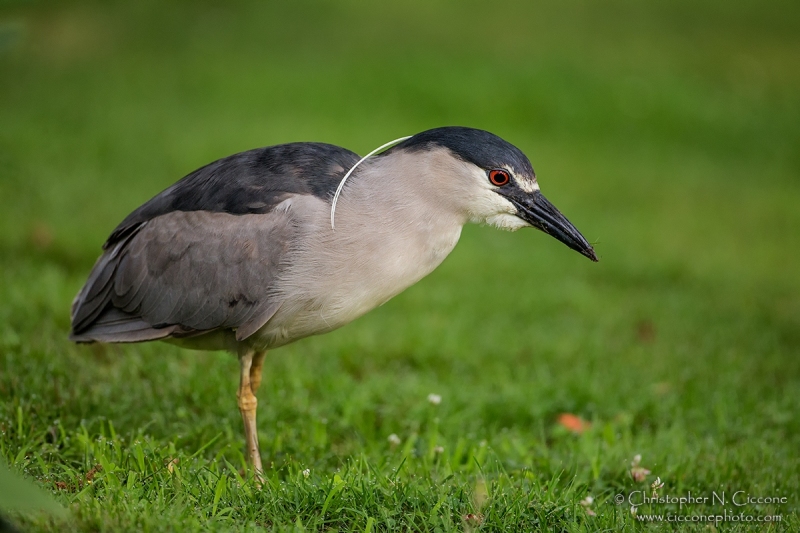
(498, 177)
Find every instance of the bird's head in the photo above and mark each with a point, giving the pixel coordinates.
(496, 182)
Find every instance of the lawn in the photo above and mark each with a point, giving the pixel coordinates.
(669, 134)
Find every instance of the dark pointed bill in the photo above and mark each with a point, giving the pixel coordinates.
(540, 213)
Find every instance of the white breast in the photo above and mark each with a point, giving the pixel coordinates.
(376, 251)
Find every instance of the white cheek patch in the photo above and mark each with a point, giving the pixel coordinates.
(506, 222)
(496, 211)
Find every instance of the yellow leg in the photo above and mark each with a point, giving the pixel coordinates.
(250, 363)
(255, 370)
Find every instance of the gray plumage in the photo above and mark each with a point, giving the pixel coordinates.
(182, 274)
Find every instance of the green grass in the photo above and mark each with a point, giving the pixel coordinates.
(666, 131)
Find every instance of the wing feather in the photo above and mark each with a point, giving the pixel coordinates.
(190, 271)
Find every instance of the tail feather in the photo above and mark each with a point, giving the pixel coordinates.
(93, 316)
(115, 325)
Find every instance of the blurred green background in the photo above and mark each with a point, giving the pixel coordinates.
(668, 132)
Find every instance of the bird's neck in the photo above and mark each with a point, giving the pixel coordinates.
(410, 188)
(390, 233)
(394, 214)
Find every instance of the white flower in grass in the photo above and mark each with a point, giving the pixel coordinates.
(434, 399)
(306, 472)
(586, 503)
(438, 449)
(657, 484)
(394, 440)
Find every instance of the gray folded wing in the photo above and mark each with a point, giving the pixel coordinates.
(185, 273)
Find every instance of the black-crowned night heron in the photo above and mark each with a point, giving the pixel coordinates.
(242, 254)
